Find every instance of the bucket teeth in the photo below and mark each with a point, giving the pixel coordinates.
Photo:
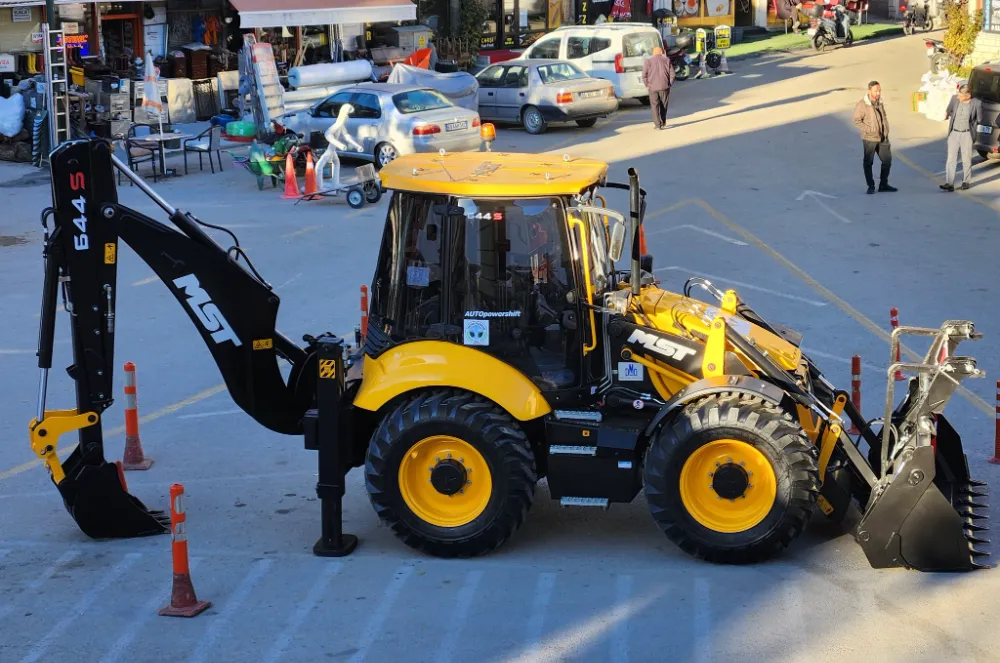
(976, 540)
(978, 553)
(972, 494)
(975, 528)
(969, 513)
(973, 482)
(972, 505)
(978, 567)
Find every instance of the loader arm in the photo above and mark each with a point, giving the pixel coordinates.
(234, 310)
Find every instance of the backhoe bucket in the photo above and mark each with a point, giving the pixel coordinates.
(925, 511)
(98, 499)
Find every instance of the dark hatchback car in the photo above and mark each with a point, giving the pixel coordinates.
(984, 82)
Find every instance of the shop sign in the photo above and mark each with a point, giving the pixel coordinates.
(71, 28)
(7, 63)
(723, 37)
(36, 37)
(487, 41)
(21, 15)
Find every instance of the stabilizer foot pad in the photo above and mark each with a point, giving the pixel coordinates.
(324, 548)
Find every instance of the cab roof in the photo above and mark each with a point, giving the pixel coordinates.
(489, 174)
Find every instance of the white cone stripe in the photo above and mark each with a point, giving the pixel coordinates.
(113, 575)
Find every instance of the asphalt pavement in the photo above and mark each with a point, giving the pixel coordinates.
(756, 184)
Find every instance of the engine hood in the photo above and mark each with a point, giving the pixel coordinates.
(662, 307)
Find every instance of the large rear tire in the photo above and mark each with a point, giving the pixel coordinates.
(452, 474)
(731, 479)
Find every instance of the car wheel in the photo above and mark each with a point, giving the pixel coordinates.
(533, 121)
(586, 124)
(384, 153)
(356, 198)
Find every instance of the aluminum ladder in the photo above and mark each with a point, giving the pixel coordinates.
(56, 88)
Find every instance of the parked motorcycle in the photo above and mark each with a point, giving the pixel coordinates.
(830, 27)
(679, 58)
(938, 56)
(916, 15)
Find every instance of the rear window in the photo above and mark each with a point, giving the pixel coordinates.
(419, 100)
(581, 47)
(985, 85)
(638, 44)
(556, 73)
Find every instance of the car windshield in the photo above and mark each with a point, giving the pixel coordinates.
(420, 100)
(562, 71)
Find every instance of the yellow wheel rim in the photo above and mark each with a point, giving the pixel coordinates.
(445, 481)
(728, 486)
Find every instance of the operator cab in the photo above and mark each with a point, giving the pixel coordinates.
(465, 263)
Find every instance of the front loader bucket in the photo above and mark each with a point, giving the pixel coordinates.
(930, 515)
(925, 511)
(98, 499)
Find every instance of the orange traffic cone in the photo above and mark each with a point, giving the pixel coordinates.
(183, 601)
(311, 186)
(134, 459)
(291, 185)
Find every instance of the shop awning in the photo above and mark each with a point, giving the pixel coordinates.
(297, 13)
(41, 3)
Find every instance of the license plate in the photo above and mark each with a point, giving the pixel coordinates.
(930, 52)
(456, 126)
(983, 129)
(590, 95)
(811, 31)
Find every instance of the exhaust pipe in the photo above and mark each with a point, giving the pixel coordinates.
(634, 216)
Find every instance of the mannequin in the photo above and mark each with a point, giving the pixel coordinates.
(338, 139)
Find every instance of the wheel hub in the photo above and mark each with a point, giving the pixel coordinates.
(730, 481)
(449, 477)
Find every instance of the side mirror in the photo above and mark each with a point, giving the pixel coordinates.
(617, 242)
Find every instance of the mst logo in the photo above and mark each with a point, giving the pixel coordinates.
(660, 346)
(207, 313)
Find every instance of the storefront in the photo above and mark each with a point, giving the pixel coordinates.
(515, 23)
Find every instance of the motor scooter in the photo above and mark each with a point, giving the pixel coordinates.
(938, 56)
(830, 27)
(679, 58)
(916, 15)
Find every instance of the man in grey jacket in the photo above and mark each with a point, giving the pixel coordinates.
(873, 123)
(658, 77)
(963, 116)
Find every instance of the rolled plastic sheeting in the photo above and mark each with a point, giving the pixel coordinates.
(310, 93)
(330, 73)
(460, 87)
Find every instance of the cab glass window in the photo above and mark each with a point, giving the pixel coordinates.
(516, 77)
(985, 85)
(547, 49)
(491, 76)
(366, 107)
(581, 47)
(331, 107)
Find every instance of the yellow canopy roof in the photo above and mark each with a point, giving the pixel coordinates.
(487, 174)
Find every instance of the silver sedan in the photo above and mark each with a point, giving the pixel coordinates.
(390, 120)
(536, 92)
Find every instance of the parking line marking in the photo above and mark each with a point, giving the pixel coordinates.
(859, 317)
(300, 231)
(63, 560)
(162, 412)
(458, 617)
(702, 640)
(688, 226)
(216, 413)
(748, 286)
(929, 175)
(539, 606)
(113, 575)
(381, 613)
(305, 607)
(148, 279)
(619, 632)
(235, 601)
(124, 641)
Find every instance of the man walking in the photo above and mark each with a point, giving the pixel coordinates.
(870, 118)
(658, 77)
(963, 114)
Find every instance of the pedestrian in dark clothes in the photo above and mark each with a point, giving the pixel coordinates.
(870, 118)
(658, 77)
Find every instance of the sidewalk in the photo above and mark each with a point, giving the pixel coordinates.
(755, 45)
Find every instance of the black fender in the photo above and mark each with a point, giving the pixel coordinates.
(743, 384)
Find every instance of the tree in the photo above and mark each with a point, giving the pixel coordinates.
(960, 37)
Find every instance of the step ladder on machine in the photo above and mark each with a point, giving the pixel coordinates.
(57, 88)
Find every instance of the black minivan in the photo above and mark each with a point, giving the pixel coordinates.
(984, 82)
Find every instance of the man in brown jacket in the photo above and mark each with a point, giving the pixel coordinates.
(871, 120)
(658, 77)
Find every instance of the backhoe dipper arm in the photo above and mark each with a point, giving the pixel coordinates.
(233, 309)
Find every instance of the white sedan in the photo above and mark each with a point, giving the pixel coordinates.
(390, 120)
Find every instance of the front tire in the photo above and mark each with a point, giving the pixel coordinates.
(731, 479)
(451, 473)
(818, 42)
(356, 198)
(682, 71)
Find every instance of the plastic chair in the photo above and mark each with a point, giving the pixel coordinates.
(208, 141)
(137, 152)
